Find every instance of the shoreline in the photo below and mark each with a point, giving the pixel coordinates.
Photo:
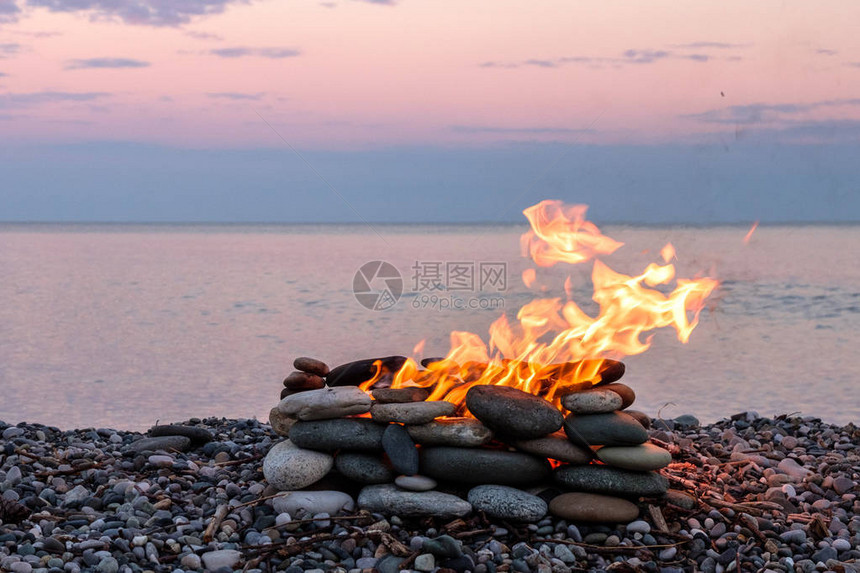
(93, 503)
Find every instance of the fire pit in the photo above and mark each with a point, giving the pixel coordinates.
(534, 421)
(515, 457)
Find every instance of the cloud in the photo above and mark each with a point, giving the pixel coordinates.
(825, 52)
(105, 63)
(628, 57)
(758, 113)
(477, 129)
(241, 52)
(18, 100)
(853, 64)
(237, 96)
(139, 12)
(203, 35)
(9, 49)
(712, 45)
(9, 10)
(3, 75)
(380, 2)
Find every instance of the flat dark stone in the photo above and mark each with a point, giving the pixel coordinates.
(311, 366)
(197, 435)
(605, 479)
(299, 381)
(400, 448)
(346, 433)
(613, 429)
(512, 413)
(428, 361)
(354, 373)
(166, 443)
(480, 466)
(400, 395)
(363, 468)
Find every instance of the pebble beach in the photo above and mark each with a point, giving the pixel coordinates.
(748, 493)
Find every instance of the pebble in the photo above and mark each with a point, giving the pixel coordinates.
(507, 503)
(643, 457)
(513, 413)
(400, 449)
(340, 433)
(363, 468)
(557, 447)
(326, 403)
(313, 502)
(480, 466)
(388, 499)
(311, 366)
(592, 401)
(460, 432)
(221, 558)
(425, 562)
(415, 483)
(399, 395)
(288, 467)
(794, 471)
(614, 429)
(639, 526)
(412, 412)
(302, 382)
(603, 479)
(590, 507)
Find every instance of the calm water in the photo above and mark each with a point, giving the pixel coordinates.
(125, 325)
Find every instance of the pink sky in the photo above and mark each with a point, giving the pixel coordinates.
(420, 72)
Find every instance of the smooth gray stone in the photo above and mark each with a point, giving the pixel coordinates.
(288, 467)
(480, 466)
(462, 432)
(363, 468)
(165, 443)
(628, 396)
(400, 449)
(605, 479)
(313, 502)
(557, 447)
(415, 483)
(347, 433)
(513, 413)
(593, 401)
(504, 502)
(326, 403)
(412, 412)
(614, 429)
(388, 499)
(643, 457)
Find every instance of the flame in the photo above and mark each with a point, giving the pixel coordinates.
(668, 253)
(560, 233)
(749, 234)
(529, 277)
(554, 346)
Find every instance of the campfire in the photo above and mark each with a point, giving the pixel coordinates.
(533, 421)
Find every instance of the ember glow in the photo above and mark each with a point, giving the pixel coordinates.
(555, 347)
(750, 233)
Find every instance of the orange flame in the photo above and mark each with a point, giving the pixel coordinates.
(749, 234)
(555, 347)
(529, 277)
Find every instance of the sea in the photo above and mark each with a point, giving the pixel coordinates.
(123, 326)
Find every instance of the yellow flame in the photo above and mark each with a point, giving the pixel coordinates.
(555, 346)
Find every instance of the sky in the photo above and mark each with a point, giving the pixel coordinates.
(412, 110)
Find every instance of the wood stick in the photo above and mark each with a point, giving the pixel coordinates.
(657, 517)
(220, 513)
